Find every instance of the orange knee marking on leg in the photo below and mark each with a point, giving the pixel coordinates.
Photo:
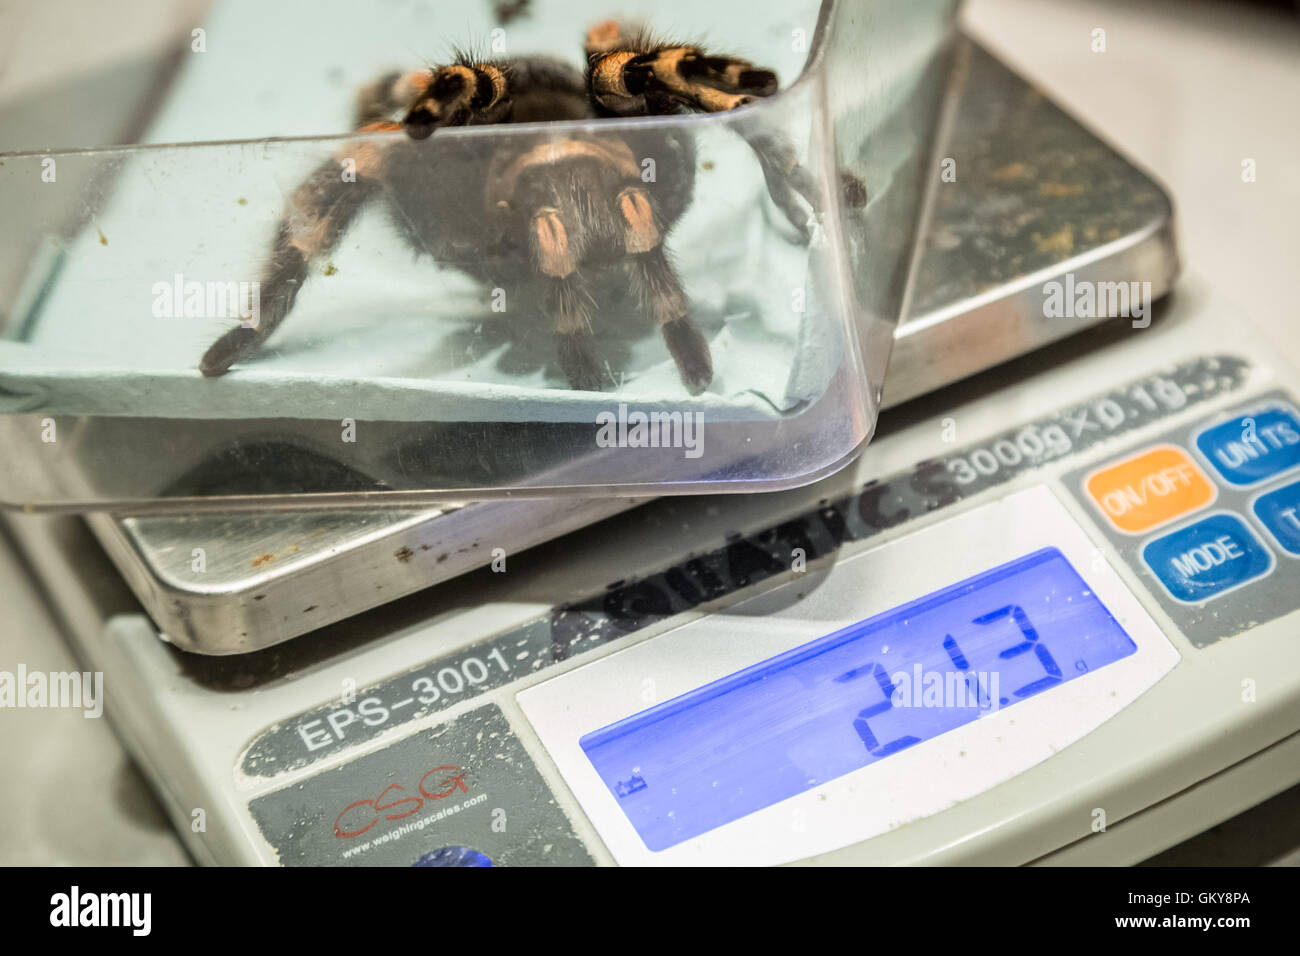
(715, 101)
(641, 234)
(367, 158)
(499, 83)
(607, 73)
(667, 70)
(369, 155)
(553, 255)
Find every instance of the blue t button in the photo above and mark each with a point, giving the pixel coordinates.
(1279, 512)
(1251, 448)
(1205, 559)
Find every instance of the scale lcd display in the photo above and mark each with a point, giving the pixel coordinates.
(854, 697)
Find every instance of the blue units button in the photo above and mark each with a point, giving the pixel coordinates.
(1251, 448)
(1205, 559)
(1279, 512)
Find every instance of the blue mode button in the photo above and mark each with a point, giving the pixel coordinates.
(1250, 448)
(1205, 559)
(1279, 512)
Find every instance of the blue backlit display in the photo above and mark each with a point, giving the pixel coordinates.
(851, 698)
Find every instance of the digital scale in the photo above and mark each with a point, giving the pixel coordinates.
(1051, 615)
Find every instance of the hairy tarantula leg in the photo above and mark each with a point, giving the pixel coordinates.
(631, 75)
(787, 181)
(567, 302)
(322, 209)
(382, 99)
(656, 286)
(462, 94)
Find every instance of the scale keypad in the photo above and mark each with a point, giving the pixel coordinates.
(1204, 513)
(1207, 558)
(1253, 447)
(1279, 512)
(1150, 489)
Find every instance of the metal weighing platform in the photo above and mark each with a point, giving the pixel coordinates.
(1107, 525)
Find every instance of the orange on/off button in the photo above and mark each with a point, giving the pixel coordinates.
(1150, 489)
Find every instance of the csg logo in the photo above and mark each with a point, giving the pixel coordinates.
(453, 780)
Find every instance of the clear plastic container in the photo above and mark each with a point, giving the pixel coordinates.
(430, 354)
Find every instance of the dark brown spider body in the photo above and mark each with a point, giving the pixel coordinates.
(559, 223)
(556, 220)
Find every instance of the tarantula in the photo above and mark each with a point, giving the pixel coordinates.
(567, 216)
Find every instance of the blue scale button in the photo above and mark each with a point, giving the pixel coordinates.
(453, 856)
(1207, 558)
(1250, 448)
(1279, 512)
